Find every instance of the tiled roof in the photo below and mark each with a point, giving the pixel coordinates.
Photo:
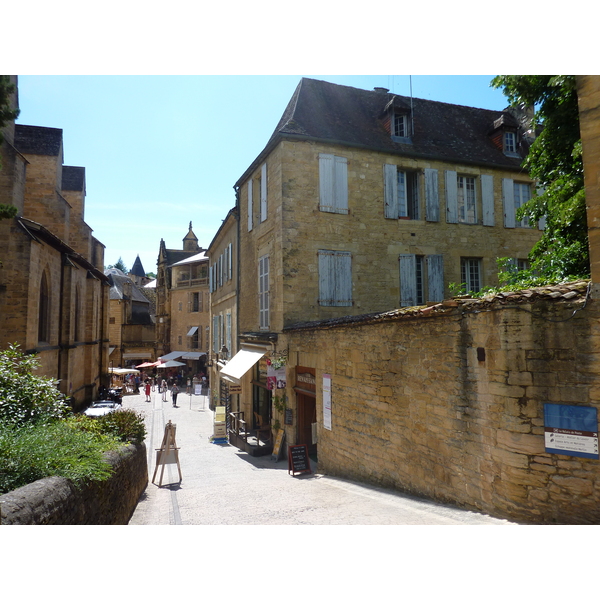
(73, 178)
(30, 139)
(350, 116)
(576, 291)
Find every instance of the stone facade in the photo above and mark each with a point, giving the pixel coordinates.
(319, 239)
(53, 297)
(448, 402)
(56, 501)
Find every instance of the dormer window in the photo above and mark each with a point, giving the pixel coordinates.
(400, 125)
(510, 142)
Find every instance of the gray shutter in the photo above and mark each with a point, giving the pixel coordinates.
(435, 278)
(263, 193)
(250, 207)
(326, 278)
(451, 197)
(487, 199)
(326, 181)
(408, 280)
(340, 189)
(343, 279)
(390, 190)
(230, 265)
(508, 198)
(431, 195)
(210, 278)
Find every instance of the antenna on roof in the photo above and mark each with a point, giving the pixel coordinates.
(412, 114)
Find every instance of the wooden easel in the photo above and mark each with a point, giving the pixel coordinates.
(168, 453)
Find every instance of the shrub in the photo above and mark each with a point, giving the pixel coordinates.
(46, 449)
(24, 397)
(124, 424)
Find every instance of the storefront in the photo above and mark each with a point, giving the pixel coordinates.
(306, 409)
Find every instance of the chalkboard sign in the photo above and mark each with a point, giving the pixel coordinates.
(288, 419)
(298, 461)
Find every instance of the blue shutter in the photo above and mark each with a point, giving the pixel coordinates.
(508, 198)
(487, 200)
(451, 197)
(408, 279)
(431, 195)
(390, 191)
(435, 277)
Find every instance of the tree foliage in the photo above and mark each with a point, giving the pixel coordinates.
(120, 265)
(555, 163)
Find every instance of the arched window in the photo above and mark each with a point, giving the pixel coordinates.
(44, 311)
(77, 317)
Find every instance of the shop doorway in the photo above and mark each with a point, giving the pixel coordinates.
(307, 422)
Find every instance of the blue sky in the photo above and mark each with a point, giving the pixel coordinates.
(161, 151)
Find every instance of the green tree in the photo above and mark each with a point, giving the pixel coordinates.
(555, 163)
(119, 265)
(7, 114)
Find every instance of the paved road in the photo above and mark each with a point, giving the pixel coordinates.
(223, 486)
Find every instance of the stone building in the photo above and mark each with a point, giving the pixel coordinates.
(131, 328)
(222, 252)
(182, 303)
(365, 201)
(53, 292)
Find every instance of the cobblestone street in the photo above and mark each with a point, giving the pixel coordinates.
(222, 485)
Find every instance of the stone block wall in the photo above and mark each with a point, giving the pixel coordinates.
(56, 501)
(450, 406)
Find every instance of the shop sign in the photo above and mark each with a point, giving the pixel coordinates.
(571, 430)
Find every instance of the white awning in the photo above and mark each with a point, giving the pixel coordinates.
(171, 355)
(192, 355)
(192, 331)
(241, 363)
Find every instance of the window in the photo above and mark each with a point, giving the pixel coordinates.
(44, 311)
(461, 200)
(195, 301)
(194, 340)
(333, 183)
(470, 274)
(335, 278)
(401, 127)
(467, 211)
(421, 279)
(510, 142)
(401, 192)
(263, 292)
(514, 195)
(77, 317)
(522, 195)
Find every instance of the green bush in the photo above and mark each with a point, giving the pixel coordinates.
(25, 397)
(46, 449)
(124, 424)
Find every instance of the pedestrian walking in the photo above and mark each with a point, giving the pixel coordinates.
(163, 390)
(147, 391)
(174, 392)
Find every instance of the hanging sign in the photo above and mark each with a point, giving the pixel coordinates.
(571, 430)
(298, 461)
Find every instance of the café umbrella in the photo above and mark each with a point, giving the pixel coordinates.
(170, 363)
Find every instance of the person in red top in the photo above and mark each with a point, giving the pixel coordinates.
(147, 391)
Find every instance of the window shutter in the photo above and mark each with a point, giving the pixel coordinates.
(263, 193)
(326, 181)
(451, 197)
(408, 280)
(189, 302)
(390, 191)
(487, 199)
(508, 197)
(542, 222)
(343, 279)
(340, 188)
(230, 265)
(210, 278)
(431, 195)
(435, 277)
(250, 207)
(326, 278)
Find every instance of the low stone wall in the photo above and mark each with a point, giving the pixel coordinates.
(449, 403)
(56, 501)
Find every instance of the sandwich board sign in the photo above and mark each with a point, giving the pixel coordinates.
(571, 430)
(168, 453)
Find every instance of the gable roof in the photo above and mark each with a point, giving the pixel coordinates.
(344, 115)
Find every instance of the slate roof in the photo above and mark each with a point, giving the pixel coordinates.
(73, 179)
(30, 139)
(574, 292)
(137, 268)
(350, 116)
(117, 285)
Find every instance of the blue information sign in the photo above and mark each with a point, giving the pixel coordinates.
(571, 430)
